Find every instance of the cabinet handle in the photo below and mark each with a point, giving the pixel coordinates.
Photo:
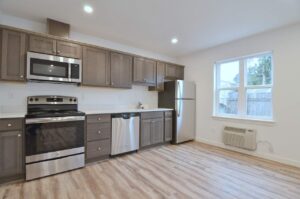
(58, 52)
(21, 76)
(99, 132)
(112, 83)
(99, 148)
(99, 118)
(9, 125)
(19, 135)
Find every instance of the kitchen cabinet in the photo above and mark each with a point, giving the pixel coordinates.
(157, 133)
(121, 70)
(68, 49)
(95, 67)
(144, 71)
(174, 72)
(152, 128)
(146, 132)
(168, 126)
(11, 153)
(13, 51)
(98, 137)
(160, 77)
(42, 44)
(51, 46)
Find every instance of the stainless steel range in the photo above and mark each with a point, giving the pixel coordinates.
(54, 136)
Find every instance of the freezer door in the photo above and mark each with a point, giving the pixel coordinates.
(185, 90)
(185, 120)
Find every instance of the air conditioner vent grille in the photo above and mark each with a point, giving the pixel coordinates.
(239, 137)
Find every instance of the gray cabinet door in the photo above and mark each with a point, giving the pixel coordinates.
(121, 70)
(13, 50)
(138, 70)
(180, 72)
(160, 76)
(11, 154)
(96, 67)
(146, 126)
(144, 71)
(174, 72)
(42, 45)
(157, 131)
(68, 49)
(150, 71)
(168, 129)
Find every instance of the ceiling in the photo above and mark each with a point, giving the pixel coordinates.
(150, 24)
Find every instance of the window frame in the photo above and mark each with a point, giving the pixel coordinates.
(242, 89)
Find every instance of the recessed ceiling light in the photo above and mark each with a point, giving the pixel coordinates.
(174, 40)
(88, 9)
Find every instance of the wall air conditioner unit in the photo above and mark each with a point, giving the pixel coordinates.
(240, 137)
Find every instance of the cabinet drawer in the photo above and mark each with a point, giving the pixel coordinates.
(99, 118)
(168, 114)
(97, 149)
(150, 115)
(98, 131)
(11, 124)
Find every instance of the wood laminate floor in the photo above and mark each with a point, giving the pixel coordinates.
(190, 170)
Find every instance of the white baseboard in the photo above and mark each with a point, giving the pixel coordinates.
(265, 156)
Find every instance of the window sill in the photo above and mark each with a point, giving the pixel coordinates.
(245, 120)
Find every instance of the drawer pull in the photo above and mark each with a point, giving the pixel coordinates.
(99, 118)
(99, 132)
(9, 125)
(99, 148)
(19, 135)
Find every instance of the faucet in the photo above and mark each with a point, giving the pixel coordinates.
(140, 105)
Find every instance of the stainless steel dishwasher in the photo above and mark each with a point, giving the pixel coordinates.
(125, 132)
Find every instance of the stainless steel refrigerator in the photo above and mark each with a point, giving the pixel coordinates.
(181, 96)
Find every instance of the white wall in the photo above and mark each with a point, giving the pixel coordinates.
(281, 140)
(13, 95)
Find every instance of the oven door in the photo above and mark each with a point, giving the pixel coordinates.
(45, 135)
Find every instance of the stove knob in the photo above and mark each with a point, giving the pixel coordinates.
(74, 100)
(70, 100)
(31, 99)
(36, 99)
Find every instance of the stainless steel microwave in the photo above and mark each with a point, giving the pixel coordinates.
(53, 68)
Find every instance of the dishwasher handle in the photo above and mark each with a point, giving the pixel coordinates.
(124, 116)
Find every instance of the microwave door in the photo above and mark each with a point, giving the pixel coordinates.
(48, 70)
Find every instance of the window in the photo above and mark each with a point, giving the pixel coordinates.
(243, 87)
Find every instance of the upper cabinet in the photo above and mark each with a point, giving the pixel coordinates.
(121, 70)
(42, 44)
(160, 77)
(173, 72)
(55, 47)
(13, 51)
(67, 49)
(144, 71)
(95, 67)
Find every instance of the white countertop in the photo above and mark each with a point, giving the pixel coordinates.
(12, 115)
(103, 111)
(108, 111)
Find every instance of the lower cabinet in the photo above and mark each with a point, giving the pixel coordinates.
(98, 137)
(168, 126)
(11, 150)
(152, 128)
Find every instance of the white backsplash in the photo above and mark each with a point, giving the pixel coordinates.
(13, 96)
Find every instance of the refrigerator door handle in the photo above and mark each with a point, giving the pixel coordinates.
(178, 90)
(178, 110)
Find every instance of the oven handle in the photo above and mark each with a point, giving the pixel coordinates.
(54, 119)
